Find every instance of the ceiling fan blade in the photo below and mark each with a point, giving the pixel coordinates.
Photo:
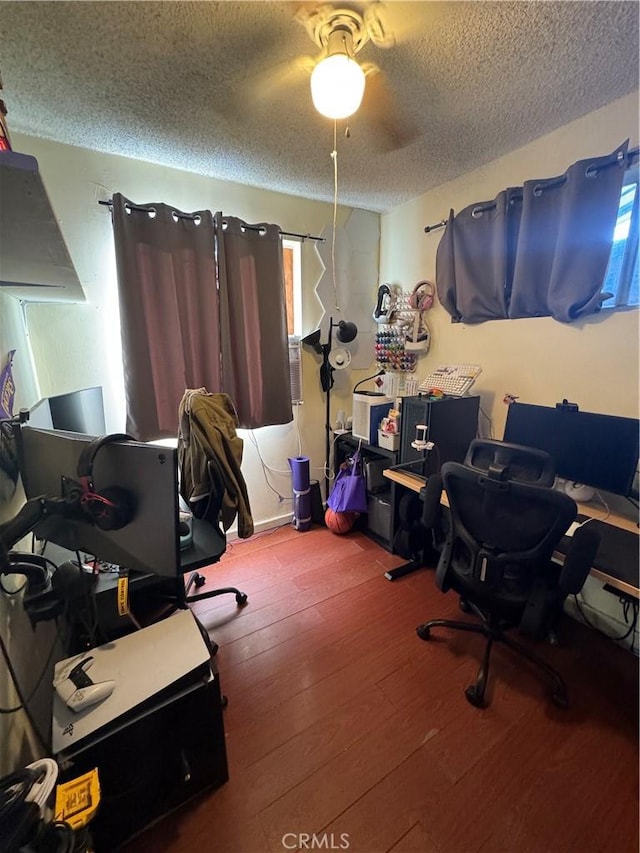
(263, 87)
(394, 128)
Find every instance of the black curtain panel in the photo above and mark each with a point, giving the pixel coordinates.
(472, 262)
(255, 345)
(537, 250)
(565, 237)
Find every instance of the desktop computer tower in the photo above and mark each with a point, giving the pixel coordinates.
(167, 751)
(452, 424)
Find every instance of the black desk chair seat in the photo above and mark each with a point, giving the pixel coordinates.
(210, 508)
(497, 553)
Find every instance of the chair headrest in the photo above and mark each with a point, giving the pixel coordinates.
(516, 462)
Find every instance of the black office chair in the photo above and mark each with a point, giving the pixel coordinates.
(210, 508)
(504, 524)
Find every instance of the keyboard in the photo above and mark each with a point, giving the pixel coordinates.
(452, 379)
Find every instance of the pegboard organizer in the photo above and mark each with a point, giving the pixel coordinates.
(391, 339)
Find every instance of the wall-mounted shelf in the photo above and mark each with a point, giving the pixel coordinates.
(34, 260)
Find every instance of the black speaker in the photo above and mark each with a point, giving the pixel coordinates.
(452, 423)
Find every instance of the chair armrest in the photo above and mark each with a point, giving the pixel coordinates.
(430, 495)
(580, 558)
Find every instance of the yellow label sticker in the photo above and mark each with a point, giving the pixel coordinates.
(123, 595)
(77, 800)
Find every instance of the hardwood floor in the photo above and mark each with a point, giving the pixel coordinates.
(342, 723)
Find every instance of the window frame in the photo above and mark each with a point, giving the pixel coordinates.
(620, 293)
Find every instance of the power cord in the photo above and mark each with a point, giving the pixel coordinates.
(25, 701)
(489, 421)
(19, 819)
(626, 604)
(266, 468)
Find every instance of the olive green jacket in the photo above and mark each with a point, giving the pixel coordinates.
(210, 456)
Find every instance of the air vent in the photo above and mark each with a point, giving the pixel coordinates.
(295, 369)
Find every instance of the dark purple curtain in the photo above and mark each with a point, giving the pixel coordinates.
(539, 250)
(255, 345)
(169, 313)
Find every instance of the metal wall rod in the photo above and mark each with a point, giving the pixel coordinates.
(303, 237)
(433, 227)
(632, 154)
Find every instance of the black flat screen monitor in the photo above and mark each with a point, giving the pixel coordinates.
(593, 449)
(150, 542)
(78, 411)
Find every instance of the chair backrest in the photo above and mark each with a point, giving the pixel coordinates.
(502, 532)
(526, 464)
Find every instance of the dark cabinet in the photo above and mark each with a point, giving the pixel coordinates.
(378, 522)
(451, 422)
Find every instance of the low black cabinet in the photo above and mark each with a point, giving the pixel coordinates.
(378, 522)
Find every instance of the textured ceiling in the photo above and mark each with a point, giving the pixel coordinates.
(218, 88)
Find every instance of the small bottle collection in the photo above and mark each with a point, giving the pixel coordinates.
(390, 350)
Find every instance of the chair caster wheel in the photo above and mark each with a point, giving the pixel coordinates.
(464, 606)
(560, 700)
(552, 638)
(423, 631)
(472, 696)
(199, 581)
(241, 599)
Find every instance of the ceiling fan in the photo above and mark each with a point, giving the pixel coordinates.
(338, 79)
(342, 84)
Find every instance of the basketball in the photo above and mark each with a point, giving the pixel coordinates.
(339, 522)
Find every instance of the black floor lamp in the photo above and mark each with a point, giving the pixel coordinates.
(345, 333)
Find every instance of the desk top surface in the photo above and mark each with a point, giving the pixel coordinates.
(614, 523)
(616, 517)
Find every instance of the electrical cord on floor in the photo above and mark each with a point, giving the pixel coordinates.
(625, 610)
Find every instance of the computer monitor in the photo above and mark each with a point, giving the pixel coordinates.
(148, 473)
(593, 449)
(40, 415)
(78, 411)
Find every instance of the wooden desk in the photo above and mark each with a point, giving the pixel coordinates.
(615, 519)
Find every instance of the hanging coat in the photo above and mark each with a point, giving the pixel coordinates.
(209, 457)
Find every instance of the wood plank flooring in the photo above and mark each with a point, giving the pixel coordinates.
(344, 727)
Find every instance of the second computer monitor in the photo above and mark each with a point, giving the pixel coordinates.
(147, 473)
(78, 411)
(593, 449)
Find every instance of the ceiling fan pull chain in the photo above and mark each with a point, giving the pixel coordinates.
(334, 157)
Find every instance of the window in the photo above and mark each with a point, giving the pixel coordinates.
(621, 280)
(292, 263)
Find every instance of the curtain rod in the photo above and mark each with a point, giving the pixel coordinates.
(631, 154)
(303, 237)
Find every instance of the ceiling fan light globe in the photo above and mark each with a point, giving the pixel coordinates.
(337, 86)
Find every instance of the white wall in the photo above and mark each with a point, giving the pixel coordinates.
(594, 362)
(78, 345)
(28, 647)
